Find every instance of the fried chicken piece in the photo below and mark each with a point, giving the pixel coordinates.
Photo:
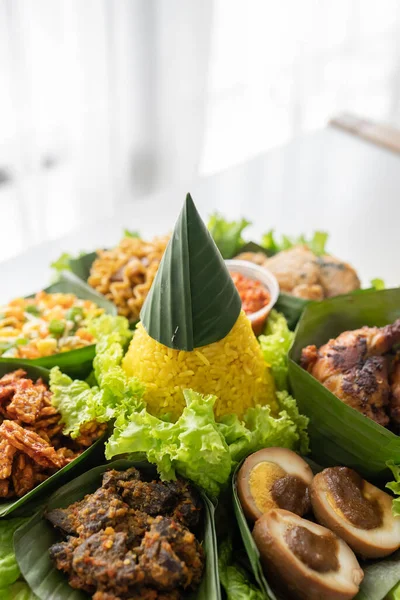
(30, 443)
(394, 409)
(336, 276)
(27, 401)
(170, 556)
(104, 560)
(23, 475)
(95, 512)
(353, 368)
(7, 452)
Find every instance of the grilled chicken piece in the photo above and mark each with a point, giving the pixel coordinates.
(395, 396)
(353, 368)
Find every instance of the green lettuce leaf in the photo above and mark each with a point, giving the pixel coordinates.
(394, 594)
(17, 591)
(9, 570)
(378, 284)
(227, 234)
(77, 402)
(131, 234)
(62, 263)
(394, 486)
(115, 392)
(193, 446)
(288, 407)
(316, 243)
(201, 449)
(275, 344)
(233, 577)
(110, 329)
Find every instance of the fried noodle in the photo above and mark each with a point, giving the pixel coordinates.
(125, 273)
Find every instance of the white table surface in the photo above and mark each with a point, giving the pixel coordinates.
(328, 180)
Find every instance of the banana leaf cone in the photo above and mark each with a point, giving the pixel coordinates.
(193, 332)
(33, 540)
(339, 434)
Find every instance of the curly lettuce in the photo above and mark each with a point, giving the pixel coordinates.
(394, 486)
(9, 569)
(227, 234)
(17, 591)
(233, 577)
(316, 243)
(275, 345)
(78, 402)
(197, 446)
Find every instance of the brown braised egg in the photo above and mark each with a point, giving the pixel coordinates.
(357, 511)
(274, 478)
(305, 560)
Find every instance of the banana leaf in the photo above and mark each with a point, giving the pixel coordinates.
(97, 449)
(33, 540)
(339, 434)
(380, 576)
(81, 265)
(76, 363)
(193, 300)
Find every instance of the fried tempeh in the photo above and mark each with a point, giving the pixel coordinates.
(23, 476)
(4, 488)
(27, 401)
(7, 452)
(32, 444)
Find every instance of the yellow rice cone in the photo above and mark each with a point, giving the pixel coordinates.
(233, 369)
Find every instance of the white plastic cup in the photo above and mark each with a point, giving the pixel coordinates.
(267, 279)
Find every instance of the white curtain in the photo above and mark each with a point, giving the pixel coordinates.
(103, 101)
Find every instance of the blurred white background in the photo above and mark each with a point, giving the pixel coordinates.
(103, 102)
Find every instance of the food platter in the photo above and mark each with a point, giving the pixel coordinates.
(198, 417)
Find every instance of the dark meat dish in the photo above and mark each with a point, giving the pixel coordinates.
(131, 539)
(32, 446)
(358, 368)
